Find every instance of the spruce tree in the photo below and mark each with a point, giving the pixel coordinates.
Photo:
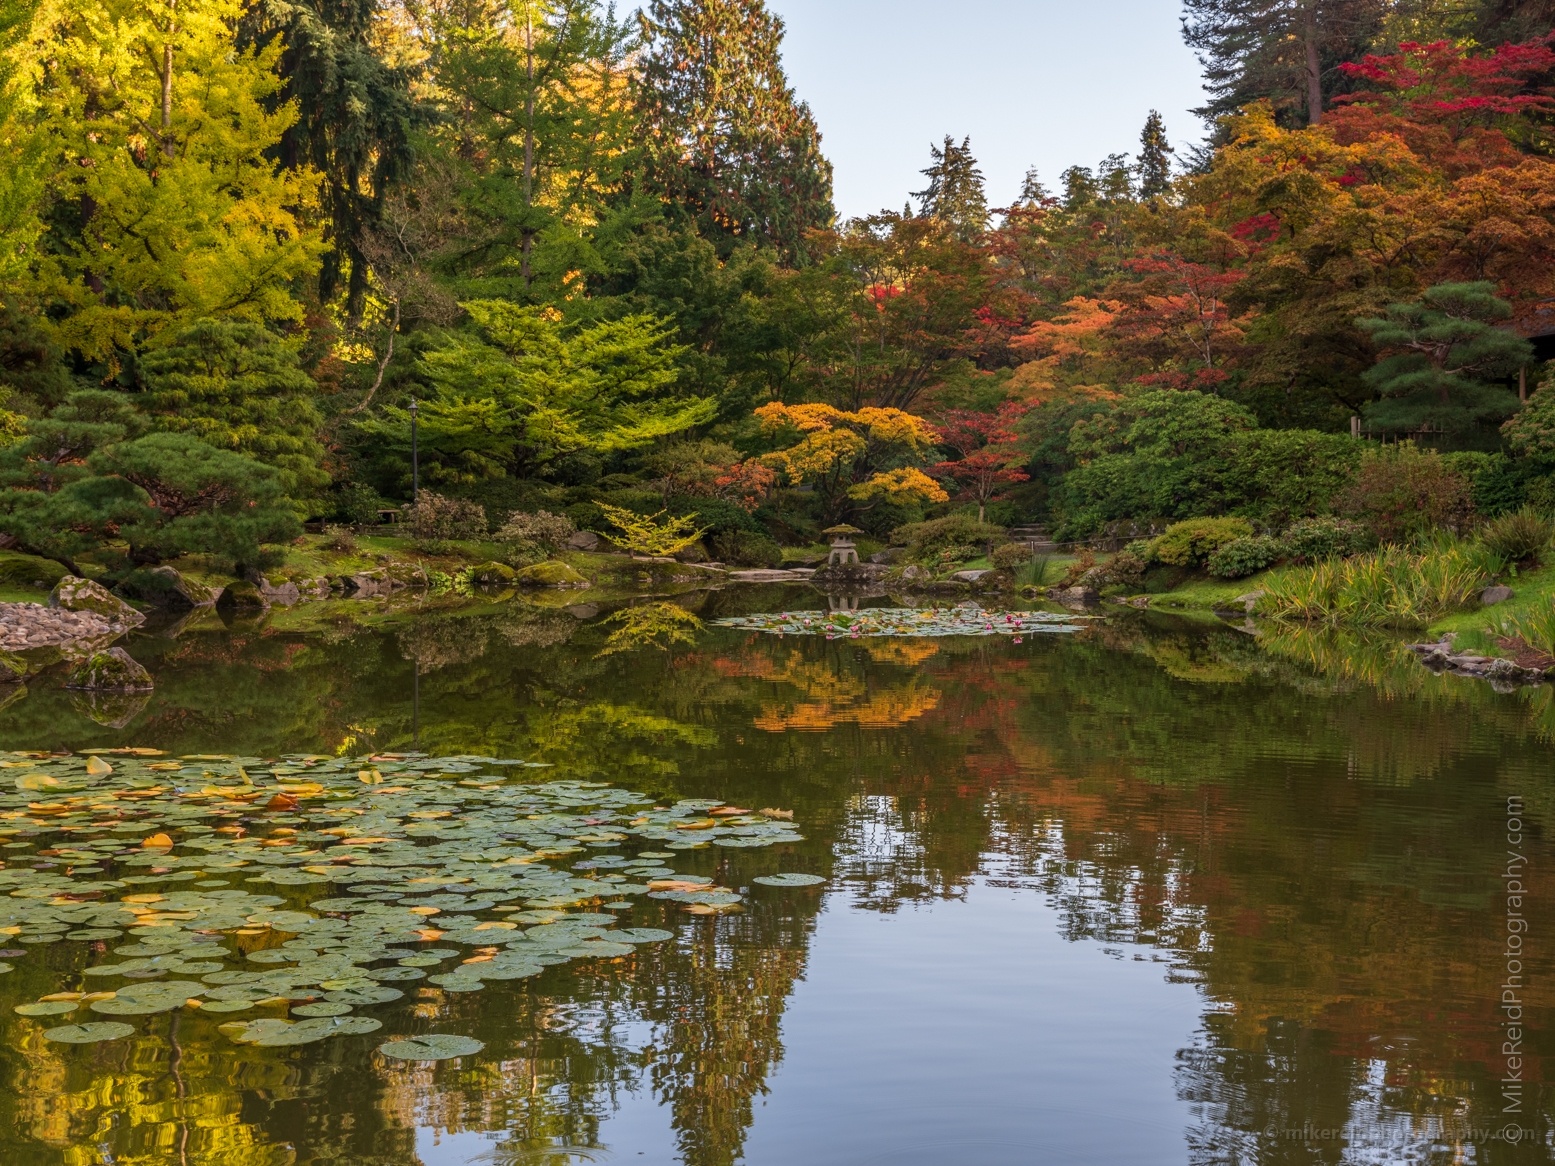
(1032, 192)
(355, 117)
(955, 191)
(1080, 189)
(727, 137)
(1154, 168)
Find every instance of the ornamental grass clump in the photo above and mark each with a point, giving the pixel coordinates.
(1390, 587)
(1536, 628)
(1522, 537)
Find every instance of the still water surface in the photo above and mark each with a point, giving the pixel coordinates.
(1158, 893)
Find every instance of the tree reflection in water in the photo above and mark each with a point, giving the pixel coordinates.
(1304, 826)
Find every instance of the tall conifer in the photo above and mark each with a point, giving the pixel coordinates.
(1154, 167)
(955, 191)
(728, 137)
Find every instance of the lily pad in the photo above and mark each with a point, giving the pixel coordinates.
(788, 880)
(360, 997)
(225, 1005)
(88, 1034)
(432, 1047)
(47, 1008)
(642, 935)
(322, 1008)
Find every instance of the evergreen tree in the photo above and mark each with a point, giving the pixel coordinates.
(354, 123)
(1283, 51)
(727, 137)
(1443, 355)
(1115, 181)
(1080, 188)
(1032, 192)
(236, 386)
(955, 191)
(1154, 168)
(536, 108)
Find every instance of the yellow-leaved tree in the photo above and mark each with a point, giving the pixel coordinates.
(841, 454)
(161, 202)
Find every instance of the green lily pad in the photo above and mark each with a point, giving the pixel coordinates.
(47, 1008)
(91, 933)
(393, 975)
(455, 982)
(788, 880)
(642, 935)
(359, 997)
(432, 1047)
(225, 1005)
(88, 1034)
(322, 1008)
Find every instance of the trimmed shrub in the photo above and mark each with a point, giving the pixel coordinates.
(541, 528)
(961, 534)
(1124, 569)
(355, 503)
(1010, 555)
(1244, 556)
(743, 548)
(1192, 542)
(435, 518)
(1326, 538)
(1403, 493)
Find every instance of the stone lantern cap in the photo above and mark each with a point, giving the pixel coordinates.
(841, 532)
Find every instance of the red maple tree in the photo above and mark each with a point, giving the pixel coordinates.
(990, 453)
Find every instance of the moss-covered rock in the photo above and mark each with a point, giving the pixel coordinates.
(165, 587)
(552, 573)
(12, 668)
(242, 596)
(493, 574)
(111, 670)
(405, 574)
(75, 594)
(18, 570)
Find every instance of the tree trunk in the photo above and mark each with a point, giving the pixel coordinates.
(529, 137)
(167, 84)
(1314, 69)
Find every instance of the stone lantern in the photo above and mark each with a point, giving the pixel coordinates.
(843, 550)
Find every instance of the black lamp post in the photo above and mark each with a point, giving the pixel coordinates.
(415, 464)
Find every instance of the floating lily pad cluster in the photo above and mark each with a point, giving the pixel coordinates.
(391, 870)
(965, 620)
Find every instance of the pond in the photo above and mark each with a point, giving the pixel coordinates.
(1149, 891)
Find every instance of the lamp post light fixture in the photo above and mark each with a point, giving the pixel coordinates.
(415, 461)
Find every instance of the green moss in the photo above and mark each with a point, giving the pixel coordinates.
(551, 573)
(29, 572)
(1205, 594)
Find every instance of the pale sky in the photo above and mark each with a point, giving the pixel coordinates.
(1050, 82)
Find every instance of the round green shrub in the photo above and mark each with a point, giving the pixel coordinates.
(1314, 539)
(1244, 556)
(1190, 543)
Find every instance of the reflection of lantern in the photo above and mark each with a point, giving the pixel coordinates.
(843, 551)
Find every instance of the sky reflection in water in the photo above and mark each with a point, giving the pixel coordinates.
(1157, 892)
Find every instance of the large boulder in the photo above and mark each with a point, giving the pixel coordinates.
(111, 670)
(278, 590)
(75, 594)
(242, 597)
(493, 574)
(13, 669)
(583, 540)
(18, 570)
(551, 573)
(1493, 595)
(165, 587)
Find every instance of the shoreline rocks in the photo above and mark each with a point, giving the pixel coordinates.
(1504, 675)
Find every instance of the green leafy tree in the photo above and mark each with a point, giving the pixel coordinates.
(236, 386)
(163, 495)
(164, 203)
(1154, 167)
(355, 118)
(23, 176)
(955, 192)
(538, 117)
(1532, 431)
(728, 140)
(531, 390)
(1443, 354)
